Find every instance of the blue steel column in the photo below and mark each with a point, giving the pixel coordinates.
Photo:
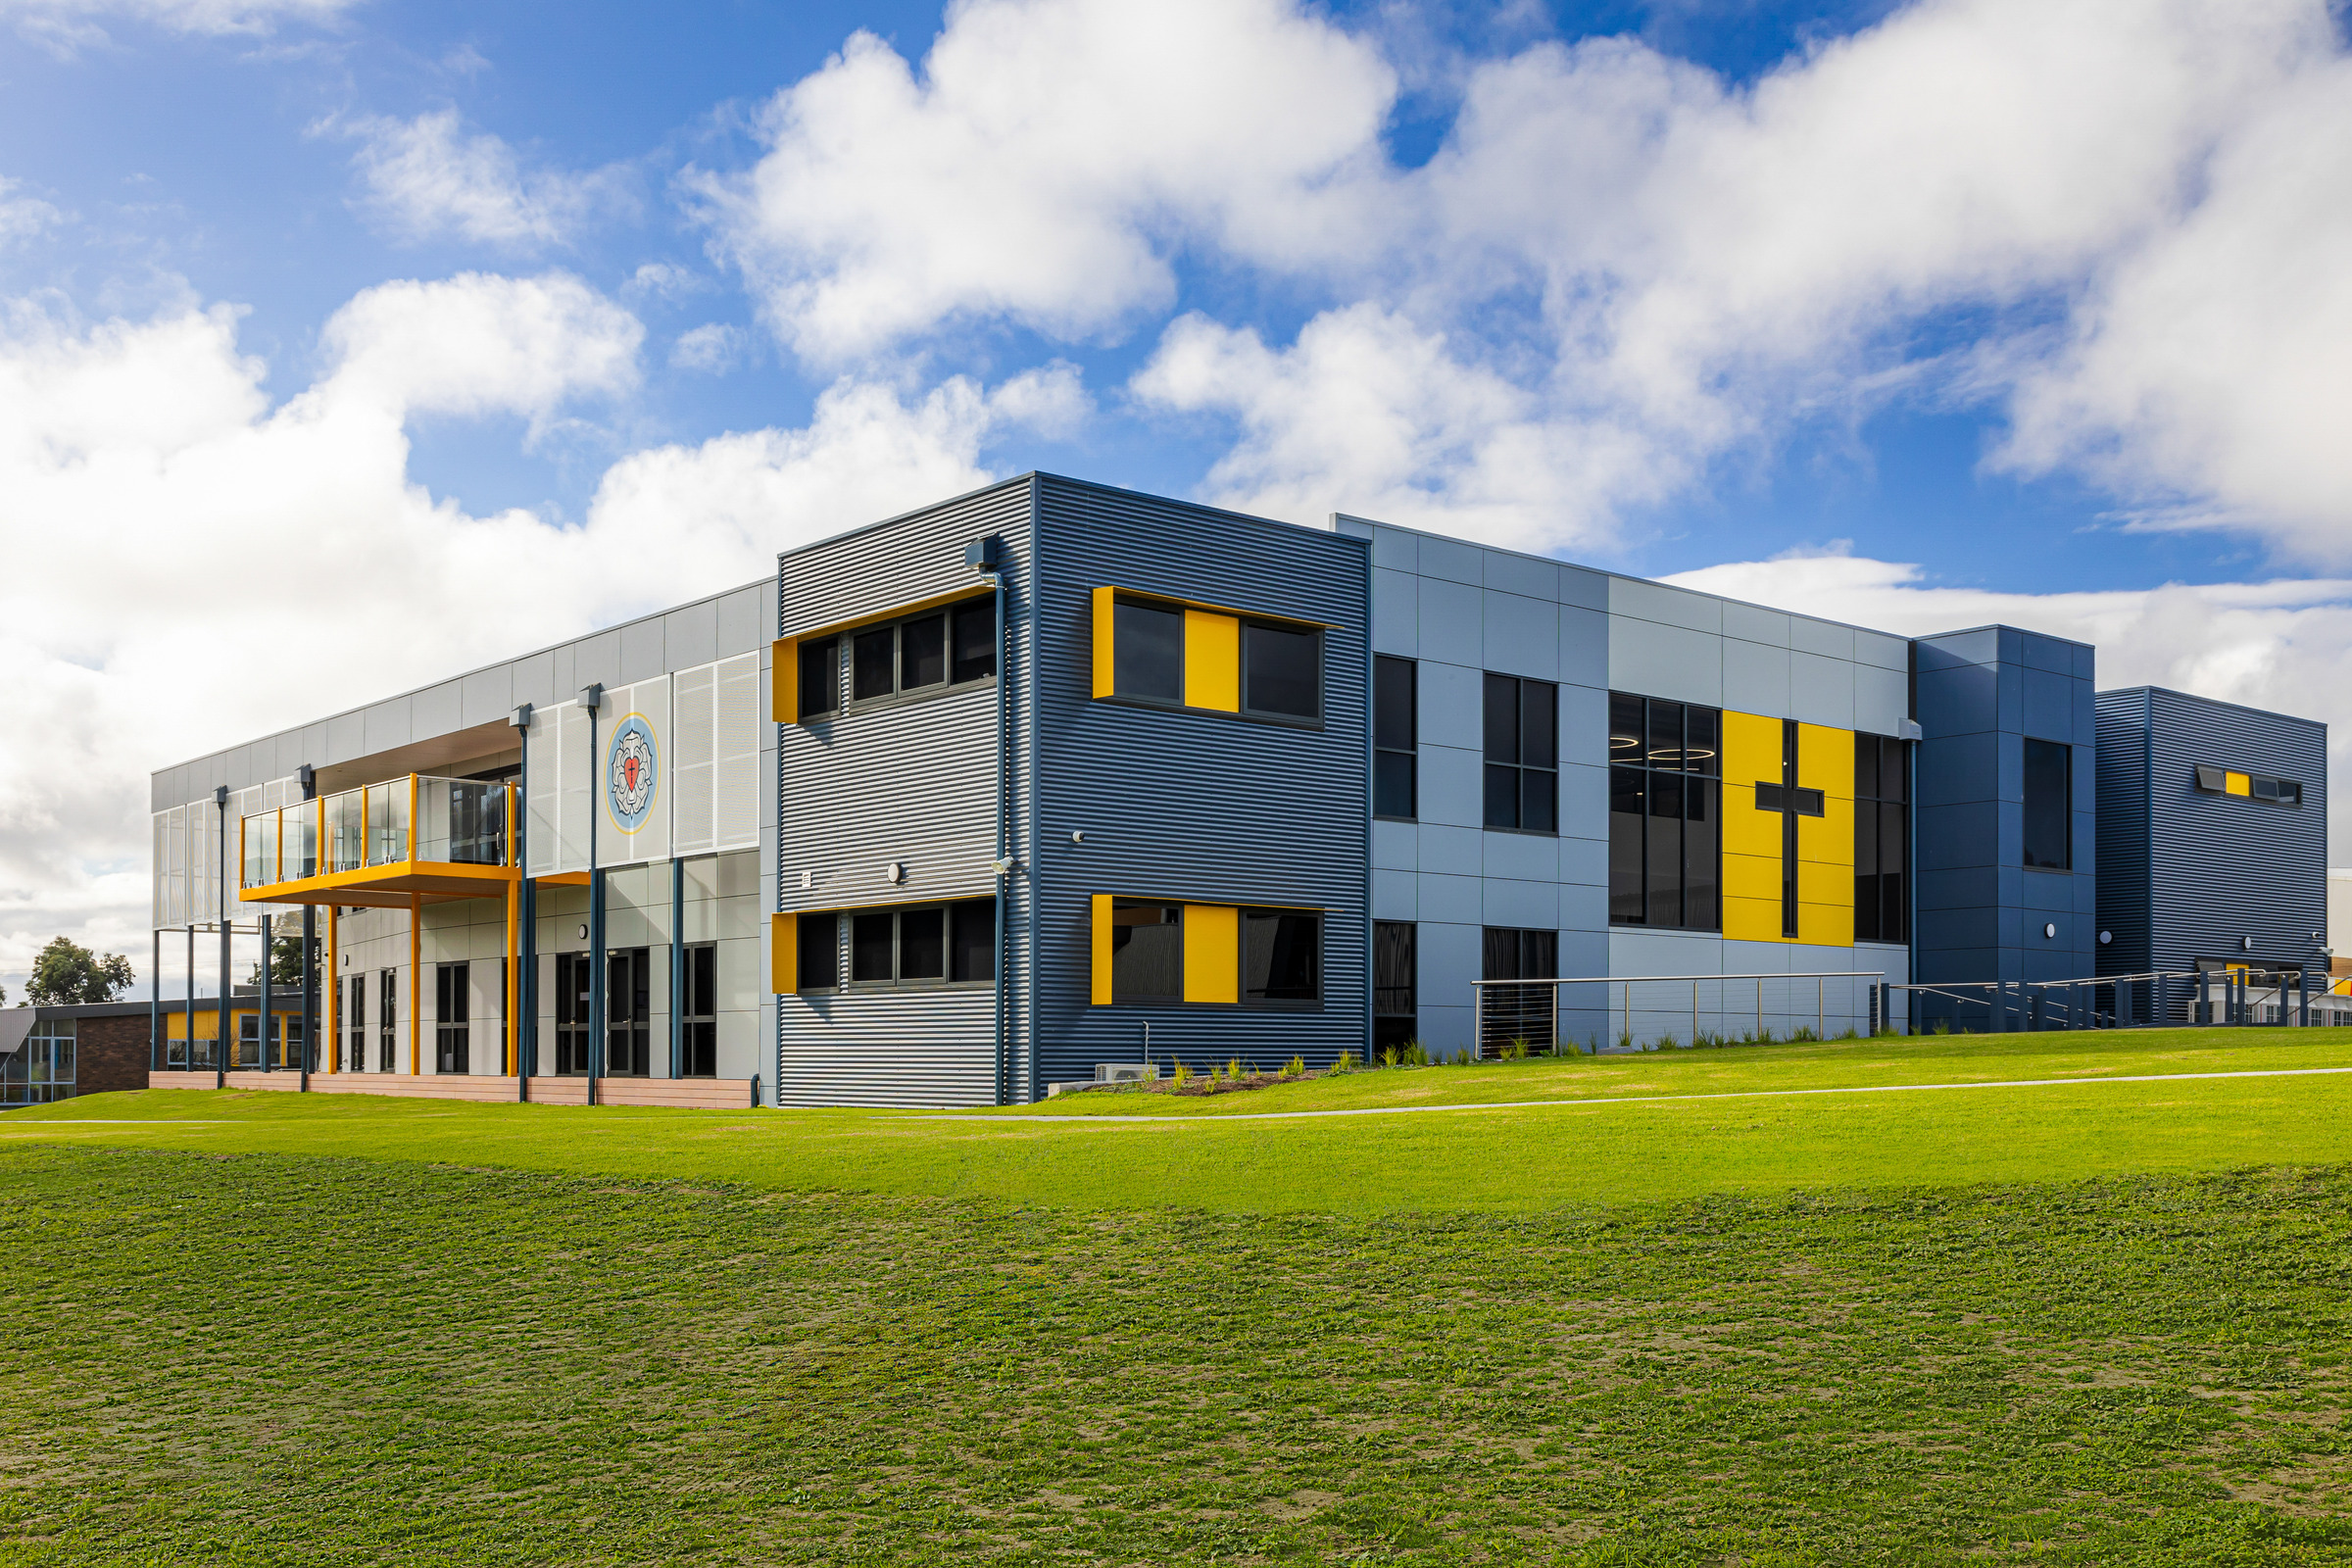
(593, 698)
(526, 956)
(190, 1011)
(677, 965)
(155, 1005)
(220, 889)
(261, 1040)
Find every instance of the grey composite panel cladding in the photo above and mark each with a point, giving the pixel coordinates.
(1187, 805)
(911, 782)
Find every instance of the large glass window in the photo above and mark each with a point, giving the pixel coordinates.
(1150, 659)
(1282, 957)
(820, 951)
(975, 632)
(1282, 670)
(1396, 737)
(1146, 952)
(2049, 806)
(821, 677)
(1881, 840)
(972, 940)
(452, 1031)
(1523, 754)
(1395, 1007)
(698, 1032)
(355, 1023)
(1665, 813)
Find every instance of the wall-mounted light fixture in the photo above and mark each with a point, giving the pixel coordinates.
(2049, 928)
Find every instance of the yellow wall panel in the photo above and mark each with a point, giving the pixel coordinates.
(1105, 664)
(784, 952)
(1746, 830)
(2238, 784)
(1753, 876)
(1102, 950)
(1751, 750)
(1817, 882)
(1752, 919)
(784, 681)
(1212, 952)
(1828, 925)
(1827, 839)
(1213, 662)
(1824, 759)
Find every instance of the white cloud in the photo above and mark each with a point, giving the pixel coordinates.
(1044, 166)
(69, 24)
(425, 178)
(712, 347)
(2282, 645)
(22, 218)
(190, 562)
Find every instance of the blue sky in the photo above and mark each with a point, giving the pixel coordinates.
(1918, 315)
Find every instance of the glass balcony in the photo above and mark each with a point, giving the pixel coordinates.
(458, 823)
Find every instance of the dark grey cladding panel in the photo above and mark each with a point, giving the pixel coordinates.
(690, 634)
(914, 784)
(1190, 804)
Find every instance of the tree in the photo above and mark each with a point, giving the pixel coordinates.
(66, 972)
(285, 964)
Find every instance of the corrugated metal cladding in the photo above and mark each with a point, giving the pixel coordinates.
(1197, 805)
(911, 784)
(2218, 868)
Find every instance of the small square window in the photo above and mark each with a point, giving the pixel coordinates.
(1149, 658)
(870, 659)
(1282, 671)
(821, 677)
(1146, 952)
(923, 653)
(975, 642)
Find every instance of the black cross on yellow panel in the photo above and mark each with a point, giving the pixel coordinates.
(1788, 831)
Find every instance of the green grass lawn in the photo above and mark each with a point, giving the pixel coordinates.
(2097, 1323)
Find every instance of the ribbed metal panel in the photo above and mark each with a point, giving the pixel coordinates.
(2221, 866)
(2123, 832)
(1190, 804)
(911, 784)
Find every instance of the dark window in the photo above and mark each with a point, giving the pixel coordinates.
(2049, 805)
(451, 1029)
(1282, 957)
(1509, 1013)
(572, 980)
(820, 951)
(922, 945)
(821, 677)
(922, 651)
(972, 940)
(1523, 754)
(870, 942)
(1395, 731)
(1665, 813)
(930, 944)
(1282, 671)
(1396, 1016)
(1146, 952)
(697, 1020)
(1880, 835)
(355, 1024)
(2255, 786)
(975, 641)
(628, 1014)
(387, 1016)
(871, 656)
(1150, 659)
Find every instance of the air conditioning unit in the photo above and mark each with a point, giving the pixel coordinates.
(1125, 1072)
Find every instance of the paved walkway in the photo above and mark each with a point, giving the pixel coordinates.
(1657, 1099)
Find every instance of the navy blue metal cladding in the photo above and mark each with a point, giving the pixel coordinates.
(1982, 912)
(2187, 875)
(1195, 806)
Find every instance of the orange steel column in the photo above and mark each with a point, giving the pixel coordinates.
(415, 981)
(512, 906)
(334, 1000)
(514, 944)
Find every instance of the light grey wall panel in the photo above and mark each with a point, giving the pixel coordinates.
(437, 709)
(1459, 899)
(1395, 613)
(1671, 607)
(1527, 906)
(489, 694)
(1754, 624)
(1396, 846)
(1451, 559)
(1882, 699)
(1755, 677)
(1657, 659)
(1584, 646)
(596, 660)
(1532, 576)
(388, 726)
(1821, 690)
(1394, 549)
(747, 619)
(1883, 651)
(1519, 857)
(1452, 785)
(1395, 895)
(1454, 850)
(1450, 704)
(641, 651)
(1824, 637)
(1449, 621)
(534, 682)
(1521, 635)
(690, 635)
(1586, 589)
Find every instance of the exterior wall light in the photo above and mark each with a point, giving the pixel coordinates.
(2049, 928)
(2106, 937)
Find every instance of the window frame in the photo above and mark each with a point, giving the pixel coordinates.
(2065, 811)
(1411, 988)
(1708, 777)
(453, 1018)
(1242, 915)
(1873, 810)
(1155, 998)
(1488, 765)
(843, 641)
(844, 983)
(691, 1023)
(1244, 621)
(1410, 750)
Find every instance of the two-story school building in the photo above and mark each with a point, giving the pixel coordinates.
(1054, 775)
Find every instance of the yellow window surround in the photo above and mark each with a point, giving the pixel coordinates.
(784, 952)
(784, 668)
(1212, 646)
(1212, 946)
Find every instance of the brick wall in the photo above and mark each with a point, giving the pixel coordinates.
(110, 1053)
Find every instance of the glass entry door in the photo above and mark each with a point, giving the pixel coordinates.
(629, 1014)
(572, 979)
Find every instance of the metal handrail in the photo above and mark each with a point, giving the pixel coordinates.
(1477, 1026)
